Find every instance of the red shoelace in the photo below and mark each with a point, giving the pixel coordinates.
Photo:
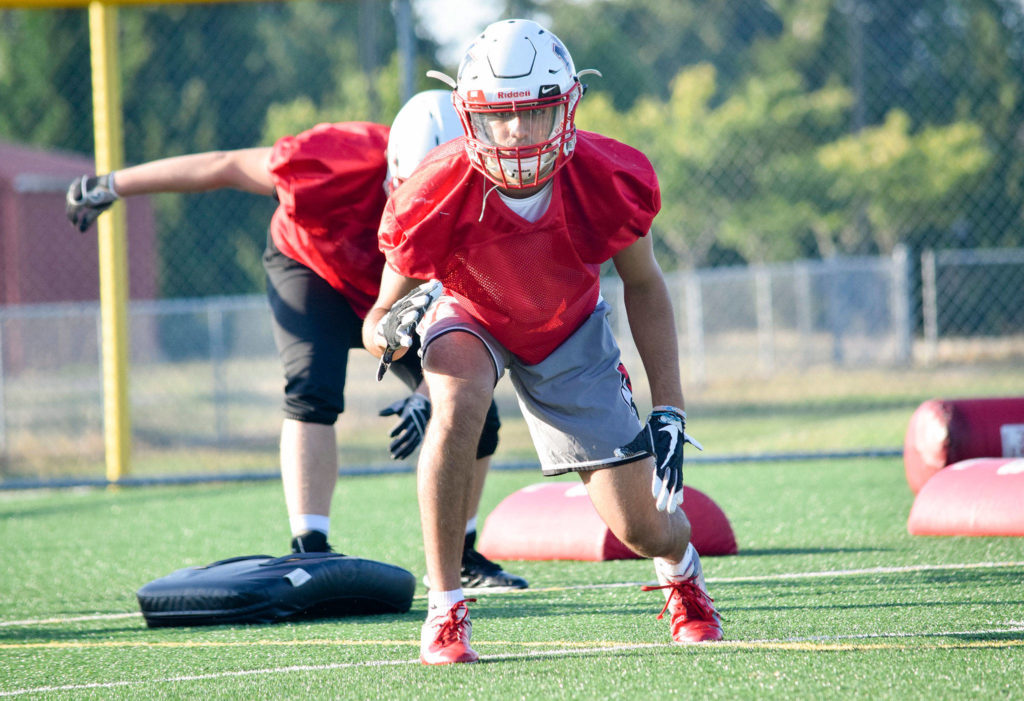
(451, 627)
(689, 592)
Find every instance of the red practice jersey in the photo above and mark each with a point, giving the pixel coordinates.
(330, 182)
(530, 284)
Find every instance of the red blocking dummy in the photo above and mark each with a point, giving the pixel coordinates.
(557, 521)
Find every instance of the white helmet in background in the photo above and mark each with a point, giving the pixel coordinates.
(427, 120)
(516, 93)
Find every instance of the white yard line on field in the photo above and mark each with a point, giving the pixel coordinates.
(869, 570)
(201, 677)
(612, 585)
(70, 619)
(791, 575)
(834, 643)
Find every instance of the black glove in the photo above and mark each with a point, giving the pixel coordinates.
(88, 197)
(399, 324)
(663, 437)
(414, 412)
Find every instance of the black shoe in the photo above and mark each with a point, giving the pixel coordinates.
(479, 573)
(311, 542)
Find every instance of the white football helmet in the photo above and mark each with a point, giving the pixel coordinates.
(516, 93)
(427, 120)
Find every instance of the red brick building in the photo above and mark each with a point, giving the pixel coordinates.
(42, 257)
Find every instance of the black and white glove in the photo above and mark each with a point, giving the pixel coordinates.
(398, 325)
(88, 197)
(663, 437)
(414, 412)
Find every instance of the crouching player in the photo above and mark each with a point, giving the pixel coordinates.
(514, 221)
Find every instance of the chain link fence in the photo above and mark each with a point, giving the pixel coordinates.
(842, 218)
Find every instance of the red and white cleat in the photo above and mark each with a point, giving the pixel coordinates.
(445, 637)
(694, 618)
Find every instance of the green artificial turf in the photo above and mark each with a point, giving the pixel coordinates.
(829, 597)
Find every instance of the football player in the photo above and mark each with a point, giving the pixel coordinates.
(323, 269)
(515, 221)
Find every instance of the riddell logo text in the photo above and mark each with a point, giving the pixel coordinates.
(506, 94)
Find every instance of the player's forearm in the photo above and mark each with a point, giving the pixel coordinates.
(243, 169)
(652, 324)
(371, 340)
(393, 287)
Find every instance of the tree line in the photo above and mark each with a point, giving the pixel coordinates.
(780, 129)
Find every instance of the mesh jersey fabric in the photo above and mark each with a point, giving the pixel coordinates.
(530, 285)
(330, 183)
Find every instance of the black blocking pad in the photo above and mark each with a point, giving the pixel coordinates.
(264, 589)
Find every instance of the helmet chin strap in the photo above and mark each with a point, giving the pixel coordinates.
(483, 206)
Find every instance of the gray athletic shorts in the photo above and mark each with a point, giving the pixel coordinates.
(577, 402)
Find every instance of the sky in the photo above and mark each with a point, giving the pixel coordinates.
(453, 23)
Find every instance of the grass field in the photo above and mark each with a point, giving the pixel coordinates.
(815, 410)
(828, 598)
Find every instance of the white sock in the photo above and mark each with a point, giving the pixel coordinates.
(687, 567)
(440, 602)
(300, 523)
(470, 525)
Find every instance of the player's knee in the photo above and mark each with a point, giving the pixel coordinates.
(310, 406)
(461, 359)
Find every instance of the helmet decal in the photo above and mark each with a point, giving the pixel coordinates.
(468, 61)
(563, 55)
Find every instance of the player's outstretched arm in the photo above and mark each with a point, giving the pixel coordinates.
(243, 169)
